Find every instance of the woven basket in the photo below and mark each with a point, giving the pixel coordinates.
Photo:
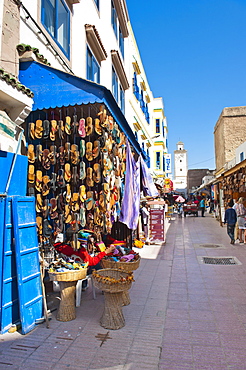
(126, 266)
(71, 275)
(109, 287)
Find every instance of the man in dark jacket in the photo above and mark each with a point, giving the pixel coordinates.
(230, 219)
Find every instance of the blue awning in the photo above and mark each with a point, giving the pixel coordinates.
(54, 88)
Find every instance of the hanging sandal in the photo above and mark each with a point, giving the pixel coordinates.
(81, 130)
(68, 216)
(53, 130)
(61, 156)
(52, 154)
(61, 129)
(39, 222)
(68, 125)
(31, 173)
(45, 187)
(39, 180)
(82, 170)
(75, 125)
(88, 154)
(89, 126)
(96, 149)
(67, 151)
(82, 148)
(82, 215)
(97, 173)
(75, 202)
(82, 193)
(30, 153)
(67, 172)
(53, 182)
(98, 128)
(39, 203)
(39, 129)
(45, 159)
(74, 154)
(46, 131)
(68, 193)
(89, 202)
(89, 179)
(46, 208)
(60, 203)
(39, 152)
(75, 176)
(60, 179)
(53, 209)
(31, 127)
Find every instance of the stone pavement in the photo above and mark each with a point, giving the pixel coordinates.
(183, 314)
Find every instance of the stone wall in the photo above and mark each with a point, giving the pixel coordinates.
(229, 133)
(9, 59)
(194, 177)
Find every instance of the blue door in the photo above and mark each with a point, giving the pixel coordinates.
(27, 262)
(9, 301)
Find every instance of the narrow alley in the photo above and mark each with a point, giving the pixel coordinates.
(183, 314)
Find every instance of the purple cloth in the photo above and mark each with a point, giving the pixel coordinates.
(131, 199)
(149, 188)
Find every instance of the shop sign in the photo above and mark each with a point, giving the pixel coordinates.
(167, 159)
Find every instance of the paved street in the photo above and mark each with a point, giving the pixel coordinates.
(183, 314)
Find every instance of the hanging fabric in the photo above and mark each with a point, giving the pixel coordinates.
(131, 199)
(149, 188)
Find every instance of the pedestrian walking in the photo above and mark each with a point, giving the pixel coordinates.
(241, 213)
(230, 219)
(202, 206)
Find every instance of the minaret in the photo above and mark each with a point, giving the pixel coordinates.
(180, 167)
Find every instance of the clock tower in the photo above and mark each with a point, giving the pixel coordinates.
(180, 168)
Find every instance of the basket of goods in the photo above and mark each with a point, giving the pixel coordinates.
(122, 258)
(112, 280)
(67, 271)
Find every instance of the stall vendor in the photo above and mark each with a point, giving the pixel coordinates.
(82, 253)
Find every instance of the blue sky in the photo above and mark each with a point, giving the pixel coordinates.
(194, 55)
